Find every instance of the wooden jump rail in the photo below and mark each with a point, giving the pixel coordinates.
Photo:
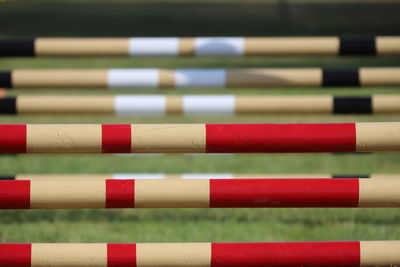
(202, 46)
(200, 138)
(198, 105)
(200, 78)
(154, 176)
(198, 193)
(289, 254)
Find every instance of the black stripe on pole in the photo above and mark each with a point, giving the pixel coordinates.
(17, 47)
(8, 105)
(340, 78)
(357, 46)
(5, 79)
(6, 178)
(352, 105)
(350, 176)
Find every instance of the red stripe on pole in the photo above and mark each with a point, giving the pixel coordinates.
(15, 194)
(15, 255)
(121, 255)
(116, 138)
(310, 254)
(284, 193)
(232, 138)
(120, 193)
(12, 138)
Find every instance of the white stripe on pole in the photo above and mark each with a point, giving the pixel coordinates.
(149, 155)
(153, 46)
(175, 155)
(209, 105)
(217, 46)
(138, 176)
(133, 78)
(202, 78)
(140, 105)
(207, 176)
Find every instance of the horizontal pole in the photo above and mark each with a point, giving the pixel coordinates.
(202, 46)
(198, 193)
(289, 254)
(200, 78)
(189, 155)
(199, 138)
(198, 105)
(156, 176)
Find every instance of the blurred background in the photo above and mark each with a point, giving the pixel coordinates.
(119, 18)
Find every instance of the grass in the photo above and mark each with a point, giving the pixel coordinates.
(166, 18)
(187, 225)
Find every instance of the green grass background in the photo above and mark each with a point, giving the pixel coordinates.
(200, 18)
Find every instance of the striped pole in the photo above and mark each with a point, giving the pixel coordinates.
(200, 138)
(198, 105)
(154, 176)
(200, 78)
(202, 46)
(198, 193)
(288, 254)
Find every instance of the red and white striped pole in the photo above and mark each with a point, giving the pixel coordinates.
(199, 193)
(285, 254)
(200, 138)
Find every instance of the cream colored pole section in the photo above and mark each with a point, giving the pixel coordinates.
(81, 46)
(377, 136)
(275, 46)
(69, 194)
(174, 193)
(64, 138)
(386, 45)
(385, 176)
(284, 104)
(57, 177)
(69, 255)
(173, 255)
(187, 46)
(168, 138)
(65, 104)
(379, 253)
(379, 192)
(274, 77)
(59, 78)
(386, 104)
(166, 78)
(379, 76)
(174, 105)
